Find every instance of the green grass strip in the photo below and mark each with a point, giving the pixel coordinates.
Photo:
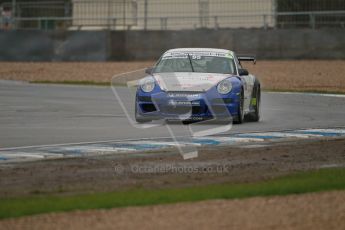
(320, 180)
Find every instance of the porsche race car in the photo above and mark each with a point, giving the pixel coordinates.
(198, 84)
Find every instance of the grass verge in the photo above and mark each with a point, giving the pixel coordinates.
(314, 181)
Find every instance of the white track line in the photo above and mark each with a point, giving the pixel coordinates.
(230, 139)
(340, 131)
(281, 135)
(310, 94)
(81, 143)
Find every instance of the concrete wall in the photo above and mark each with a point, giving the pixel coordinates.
(53, 46)
(139, 45)
(269, 44)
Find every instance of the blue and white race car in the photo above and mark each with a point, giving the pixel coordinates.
(193, 84)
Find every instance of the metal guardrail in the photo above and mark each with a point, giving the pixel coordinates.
(313, 15)
(172, 14)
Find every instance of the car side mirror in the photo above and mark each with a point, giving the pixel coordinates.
(243, 72)
(149, 70)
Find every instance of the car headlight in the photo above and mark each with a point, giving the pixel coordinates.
(147, 84)
(224, 87)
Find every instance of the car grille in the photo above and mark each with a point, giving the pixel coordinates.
(183, 109)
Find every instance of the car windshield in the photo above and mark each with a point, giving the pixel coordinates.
(207, 63)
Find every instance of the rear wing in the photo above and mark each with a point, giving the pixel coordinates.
(247, 58)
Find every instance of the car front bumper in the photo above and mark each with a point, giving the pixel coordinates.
(187, 106)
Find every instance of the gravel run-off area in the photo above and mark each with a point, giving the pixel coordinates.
(301, 75)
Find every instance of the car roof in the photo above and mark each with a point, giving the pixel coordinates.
(199, 50)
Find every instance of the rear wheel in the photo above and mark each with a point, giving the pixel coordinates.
(256, 99)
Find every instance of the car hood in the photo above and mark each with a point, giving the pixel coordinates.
(191, 82)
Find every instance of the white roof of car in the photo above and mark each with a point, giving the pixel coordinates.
(199, 50)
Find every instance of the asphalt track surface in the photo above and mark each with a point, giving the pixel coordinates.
(38, 114)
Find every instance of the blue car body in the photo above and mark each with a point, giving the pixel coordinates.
(159, 104)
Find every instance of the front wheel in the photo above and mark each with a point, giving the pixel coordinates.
(240, 113)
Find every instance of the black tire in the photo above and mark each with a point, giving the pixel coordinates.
(255, 116)
(240, 117)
